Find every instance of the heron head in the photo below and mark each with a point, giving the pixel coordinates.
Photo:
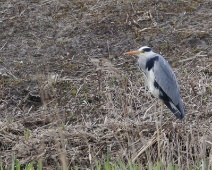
(141, 51)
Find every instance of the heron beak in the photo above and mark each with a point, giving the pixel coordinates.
(133, 52)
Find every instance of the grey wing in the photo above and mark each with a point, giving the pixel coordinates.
(166, 79)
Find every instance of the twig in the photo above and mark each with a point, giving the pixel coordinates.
(3, 46)
(10, 73)
(144, 29)
(132, 7)
(150, 143)
(78, 90)
(191, 58)
(108, 48)
(193, 88)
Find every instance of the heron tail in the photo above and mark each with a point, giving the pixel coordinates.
(178, 109)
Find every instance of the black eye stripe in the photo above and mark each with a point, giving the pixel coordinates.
(147, 49)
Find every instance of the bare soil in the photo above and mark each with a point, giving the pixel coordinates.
(69, 96)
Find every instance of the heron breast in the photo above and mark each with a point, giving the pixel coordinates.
(151, 84)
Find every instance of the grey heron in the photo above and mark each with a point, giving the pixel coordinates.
(161, 80)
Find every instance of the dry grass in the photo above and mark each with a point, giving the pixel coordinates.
(63, 76)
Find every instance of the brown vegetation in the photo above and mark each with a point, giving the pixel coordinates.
(63, 77)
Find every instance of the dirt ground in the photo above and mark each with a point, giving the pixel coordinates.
(69, 96)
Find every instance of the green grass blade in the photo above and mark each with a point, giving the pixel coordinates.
(39, 165)
(98, 165)
(107, 163)
(1, 164)
(17, 164)
(13, 163)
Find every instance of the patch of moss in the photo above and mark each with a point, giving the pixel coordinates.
(196, 50)
(190, 9)
(164, 46)
(73, 91)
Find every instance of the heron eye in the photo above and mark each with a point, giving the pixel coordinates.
(146, 49)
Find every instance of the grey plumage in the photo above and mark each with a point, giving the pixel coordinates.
(161, 79)
(166, 79)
